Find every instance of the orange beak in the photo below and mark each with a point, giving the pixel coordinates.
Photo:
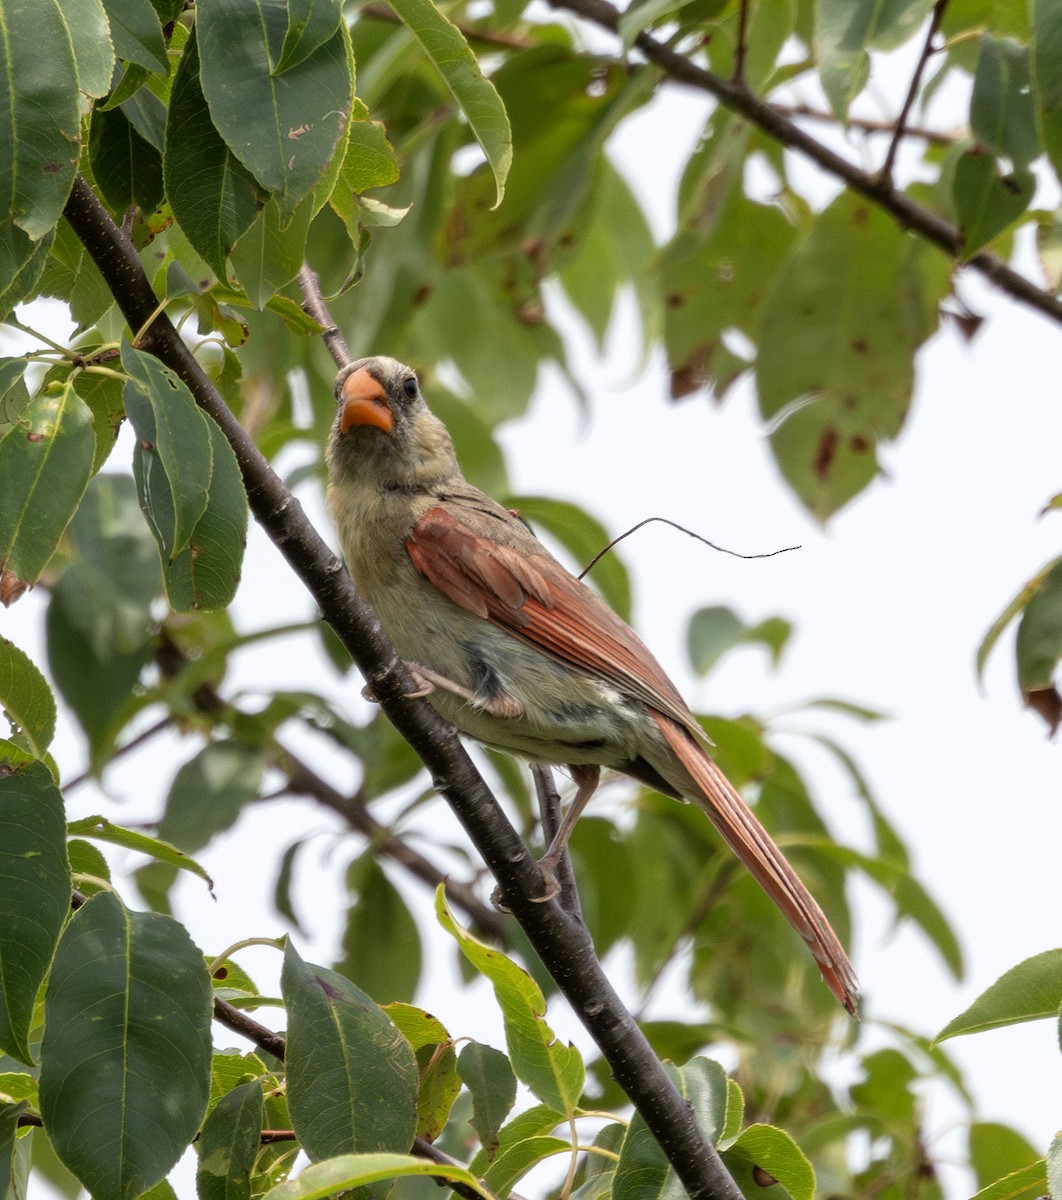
(364, 403)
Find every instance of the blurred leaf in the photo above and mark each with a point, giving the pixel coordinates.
(846, 29)
(835, 368)
(103, 830)
(229, 1145)
(490, 1080)
(209, 792)
(1039, 642)
(1016, 606)
(283, 125)
(604, 868)
(1002, 115)
(1046, 75)
(38, 115)
(716, 629)
(381, 942)
(173, 460)
(552, 1071)
(986, 200)
(26, 700)
(352, 1077)
(1031, 991)
(34, 895)
(127, 1029)
(45, 464)
(445, 46)
(582, 536)
(339, 1175)
(212, 194)
(1054, 1166)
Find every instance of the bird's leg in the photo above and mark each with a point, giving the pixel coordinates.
(426, 681)
(586, 778)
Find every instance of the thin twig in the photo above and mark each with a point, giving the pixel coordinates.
(313, 303)
(550, 810)
(128, 747)
(906, 212)
(741, 50)
(935, 137)
(682, 529)
(912, 92)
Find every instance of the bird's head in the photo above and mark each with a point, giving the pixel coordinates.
(383, 431)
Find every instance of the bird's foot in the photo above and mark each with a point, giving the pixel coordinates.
(500, 704)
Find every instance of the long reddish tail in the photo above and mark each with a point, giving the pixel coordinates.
(749, 840)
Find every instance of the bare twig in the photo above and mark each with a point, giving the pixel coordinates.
(935, 137)
(549, 807)
(741, 49)
(134, 743)
(905, 211)
(912, 92)
(682, 529)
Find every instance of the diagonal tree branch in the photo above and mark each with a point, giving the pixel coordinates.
(912, 92)
(560, 940)
(773, 121)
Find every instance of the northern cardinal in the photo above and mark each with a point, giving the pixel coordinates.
(510, 647)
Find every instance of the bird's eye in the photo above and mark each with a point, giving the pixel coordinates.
(409, 386)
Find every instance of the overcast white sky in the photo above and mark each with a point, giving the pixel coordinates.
(890, 603)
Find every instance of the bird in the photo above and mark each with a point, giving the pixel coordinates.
(511, 648)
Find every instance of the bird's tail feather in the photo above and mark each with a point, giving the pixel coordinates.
(744, 834)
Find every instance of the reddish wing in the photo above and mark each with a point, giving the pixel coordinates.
(534, 597)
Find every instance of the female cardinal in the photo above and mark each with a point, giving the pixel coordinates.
(514, 650)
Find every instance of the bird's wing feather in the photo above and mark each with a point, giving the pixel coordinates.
(534, 597)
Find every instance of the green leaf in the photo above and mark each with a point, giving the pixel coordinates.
(352, 1077)
(10, 1111)
(109, 535)
(34, 894)
(381, 943)
(173, 460)
(643, 1169)
(339, 1175)
(837, 337)
(846, 29)
(90, 37)
(490, 1080)
(996, 1150)
(284, 127)
(1039, 642)
(774, 1151)
(370, 158)
(229, 1144)
(268, 256)
(204, 576)
(582, 536)
(1031, 991)
(127, 168)
(445, 46)
(1046, 74)
(137, 34)
(127, 1039)
(987, 201)
(213, 196)
(311, 24)
(26, 700)
(1028, 1182)
(1054, 1166)
(38, 115)
(437, 1063)
(45, 465)
(102, 830)
(552, 1071)
(208, 793)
